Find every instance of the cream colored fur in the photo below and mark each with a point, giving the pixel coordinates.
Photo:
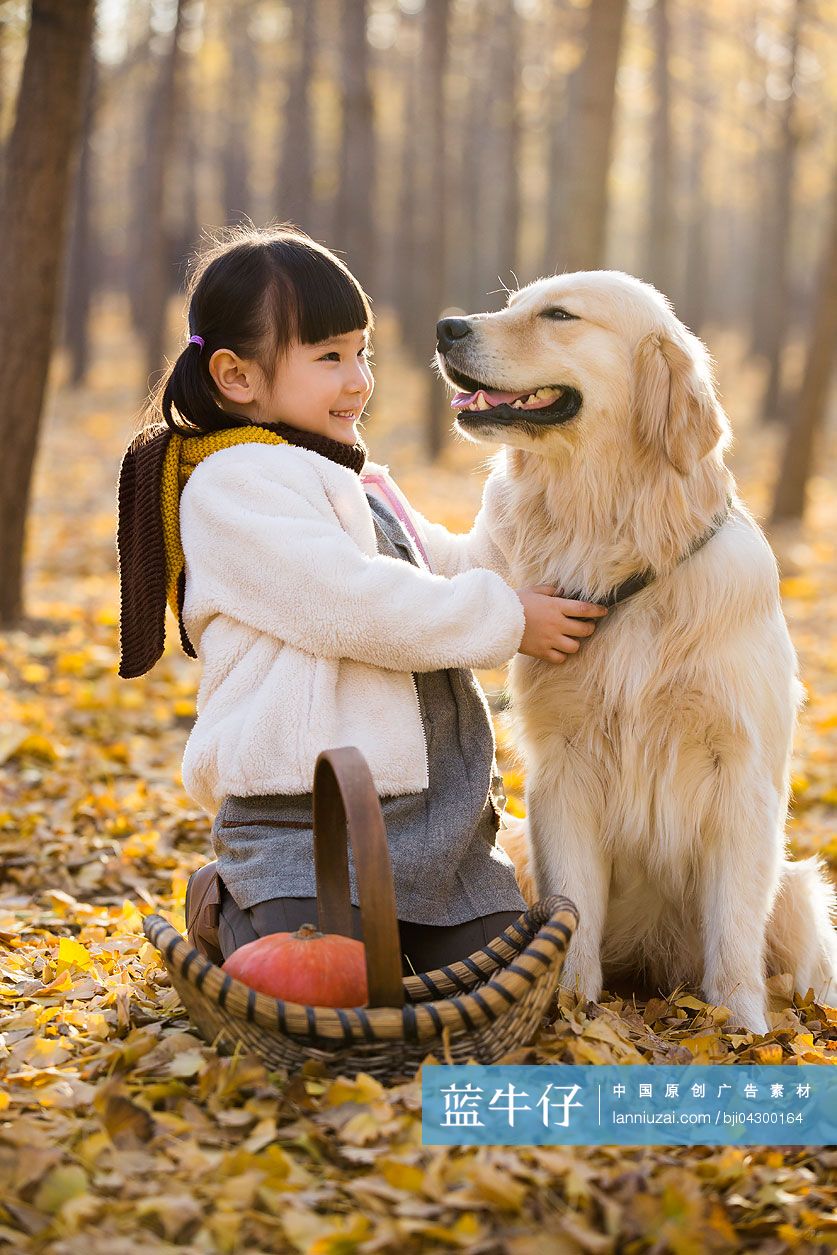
(657, 757)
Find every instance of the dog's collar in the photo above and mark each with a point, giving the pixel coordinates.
(636, 583)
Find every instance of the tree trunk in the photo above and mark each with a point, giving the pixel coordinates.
(803, 429)
(81, 253)
(659, 222)
(143, 142)
(423, 231)
(238, 105)
(405, 267)
(469, 204)
(389, 71)
(295, 190)
(776, 309)
(33, 216)
(497, 145)
(693, 300)
(776, 167)
(186, 155)
(434, 219)
(354, 225)
(505, 163)
(561, 108)
(588, 164)
(3, 85)
(157, 270)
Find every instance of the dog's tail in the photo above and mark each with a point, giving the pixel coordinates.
(801, 938)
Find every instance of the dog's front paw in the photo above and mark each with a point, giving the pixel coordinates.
(582, 974)
(747, 1011)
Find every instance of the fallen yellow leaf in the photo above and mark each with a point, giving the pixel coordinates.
(72, 953)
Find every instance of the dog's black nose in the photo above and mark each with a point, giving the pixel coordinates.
(449, 330)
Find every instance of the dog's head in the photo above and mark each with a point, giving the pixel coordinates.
(595, 361)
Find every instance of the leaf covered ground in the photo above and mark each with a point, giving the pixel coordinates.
(122, 1131)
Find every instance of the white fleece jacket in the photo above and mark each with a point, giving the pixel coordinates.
(307, 637)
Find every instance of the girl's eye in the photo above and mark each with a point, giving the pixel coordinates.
(334, 356)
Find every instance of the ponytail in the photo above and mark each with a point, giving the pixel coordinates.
(188, 391)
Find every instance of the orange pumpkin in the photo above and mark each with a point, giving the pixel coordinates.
(318, 969)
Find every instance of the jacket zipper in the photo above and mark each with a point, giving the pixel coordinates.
(423, 729)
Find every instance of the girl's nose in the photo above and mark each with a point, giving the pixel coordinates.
(361, 380)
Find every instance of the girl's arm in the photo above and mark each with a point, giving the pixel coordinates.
(451, 553)
(276, 557)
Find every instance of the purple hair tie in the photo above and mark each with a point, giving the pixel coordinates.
(197, 340)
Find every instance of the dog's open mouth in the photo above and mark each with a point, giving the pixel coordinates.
(486, 400)
(480, 403)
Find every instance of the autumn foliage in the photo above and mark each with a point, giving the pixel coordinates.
(121, 1130)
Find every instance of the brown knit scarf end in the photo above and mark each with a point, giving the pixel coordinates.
(141, 545)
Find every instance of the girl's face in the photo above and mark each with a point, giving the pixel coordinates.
(322, 387)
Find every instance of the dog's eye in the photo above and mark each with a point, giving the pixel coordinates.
(559, 314)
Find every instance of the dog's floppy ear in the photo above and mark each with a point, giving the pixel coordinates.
(676, 409)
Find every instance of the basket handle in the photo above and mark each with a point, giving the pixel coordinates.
(346, 806)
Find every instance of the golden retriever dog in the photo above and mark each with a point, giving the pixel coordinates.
(657, 757)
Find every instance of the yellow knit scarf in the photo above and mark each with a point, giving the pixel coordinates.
(183, 454)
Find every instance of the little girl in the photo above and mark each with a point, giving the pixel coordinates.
(324, 610)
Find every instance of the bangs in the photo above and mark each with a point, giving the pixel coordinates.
(318, 295)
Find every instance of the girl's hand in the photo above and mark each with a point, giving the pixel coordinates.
(554, 625)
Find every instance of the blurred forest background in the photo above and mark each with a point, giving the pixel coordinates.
(449, 149)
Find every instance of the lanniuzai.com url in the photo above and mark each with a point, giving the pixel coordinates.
(705, 1117)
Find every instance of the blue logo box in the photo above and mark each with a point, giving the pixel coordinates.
(624, 1105)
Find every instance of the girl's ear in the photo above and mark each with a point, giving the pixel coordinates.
(676, 408)
(233, 377)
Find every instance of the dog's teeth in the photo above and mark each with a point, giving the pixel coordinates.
(482, 404)
(518, 405)
(545, 394)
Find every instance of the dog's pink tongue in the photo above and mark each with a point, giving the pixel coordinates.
(493, 398)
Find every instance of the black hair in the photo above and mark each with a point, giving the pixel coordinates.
(255, 291)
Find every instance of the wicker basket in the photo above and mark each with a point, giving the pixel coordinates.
(487, 1004)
